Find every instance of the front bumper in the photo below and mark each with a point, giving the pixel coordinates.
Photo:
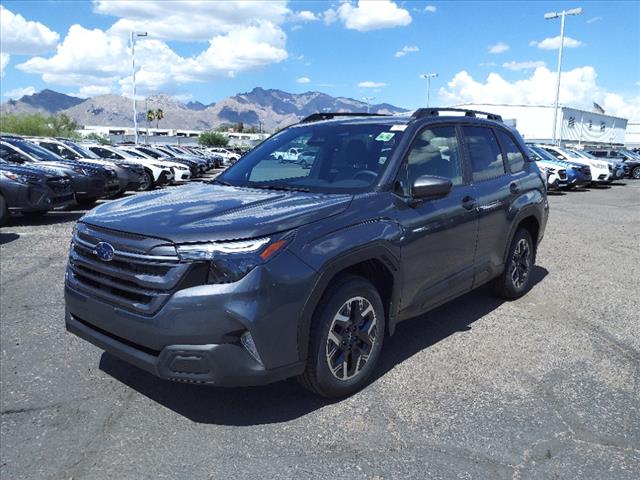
(195, 335)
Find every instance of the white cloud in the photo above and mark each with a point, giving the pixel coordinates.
(92, 91)
(370, 84)
(106, 65)
(192, 20)
(406, 49)
(369, 15)
(528, 65)
(4, 61)
(487, 64)
(23, 37)
(303, 80)
(18, 93)
(553, 43)
(430, 9)
(578, 89)
(330, 16)
(499, 47)
(594, 19)
(304, 16)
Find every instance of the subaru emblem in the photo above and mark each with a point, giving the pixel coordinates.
(104, 251)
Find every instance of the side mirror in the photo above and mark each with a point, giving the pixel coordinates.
(429, 186)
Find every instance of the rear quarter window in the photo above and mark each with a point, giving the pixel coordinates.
(515, 157)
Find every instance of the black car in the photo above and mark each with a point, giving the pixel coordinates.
(32, 190)
(90, 182)
(274, 271)
(194, 166)
(129, 174)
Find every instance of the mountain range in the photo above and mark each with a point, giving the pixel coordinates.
(271, 108)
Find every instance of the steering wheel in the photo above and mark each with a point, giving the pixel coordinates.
(364, 173)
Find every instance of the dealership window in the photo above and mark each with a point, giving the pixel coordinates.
(602, 126)
(590, 125)
(572, 122)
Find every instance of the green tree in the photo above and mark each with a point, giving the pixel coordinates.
(159, 116)
(39, 125)
(98, 138)
(213, 139)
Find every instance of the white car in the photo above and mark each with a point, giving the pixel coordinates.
(617, 164)
(180, 171)
(601, 172)
(156, 173)
(228, 157)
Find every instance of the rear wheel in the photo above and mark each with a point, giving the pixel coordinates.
(346, 338)
(516, 279)
(4, 211)
(635, 173)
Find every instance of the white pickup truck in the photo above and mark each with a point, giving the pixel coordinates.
(285, 156)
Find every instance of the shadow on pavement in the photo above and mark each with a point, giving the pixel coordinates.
(49, 218)
(283, 401)
(8, 238)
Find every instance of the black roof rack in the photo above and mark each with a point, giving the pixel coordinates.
(435, 112)
(316, 117)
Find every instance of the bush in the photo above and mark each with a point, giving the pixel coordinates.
(38, 125)
(213, 139)
(98, 138)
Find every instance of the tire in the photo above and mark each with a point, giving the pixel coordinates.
(635, 173)
(516, 280)
(4, 211)
(86, 202)
(147, 181)
(304, 164)
(347, 341)
(280, 159)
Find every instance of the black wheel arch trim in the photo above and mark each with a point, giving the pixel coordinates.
(379, 251)
(526, 212)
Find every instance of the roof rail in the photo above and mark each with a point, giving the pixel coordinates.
(435, 112)
(316, 117)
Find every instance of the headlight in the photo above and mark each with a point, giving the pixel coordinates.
(231, 261)
(15, 177)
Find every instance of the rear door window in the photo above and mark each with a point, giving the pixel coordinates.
(484, 153)
(515, 157)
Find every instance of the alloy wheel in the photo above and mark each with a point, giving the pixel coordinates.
(352, 336)
(520, 263)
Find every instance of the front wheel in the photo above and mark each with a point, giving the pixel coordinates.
(635, 173)
(146, 181)
(516, 279)
(346, 338)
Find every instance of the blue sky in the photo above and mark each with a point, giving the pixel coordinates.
(360, 44)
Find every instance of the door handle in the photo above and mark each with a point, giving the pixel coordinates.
(514, 187)
(468, 202)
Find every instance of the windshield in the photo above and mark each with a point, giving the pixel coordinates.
(83, 152)
(132, 152)
(329, 158)
(582, 154)
(35, 151)
(541, 154)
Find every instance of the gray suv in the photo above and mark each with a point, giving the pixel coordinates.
(274, 270)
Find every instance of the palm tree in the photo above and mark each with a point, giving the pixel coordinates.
(159, 116)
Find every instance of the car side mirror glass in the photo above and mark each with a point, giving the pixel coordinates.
(429, 186)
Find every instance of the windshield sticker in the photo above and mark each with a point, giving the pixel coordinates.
(385, 136)
(398, 128)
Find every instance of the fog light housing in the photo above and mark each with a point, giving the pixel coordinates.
(247, 342)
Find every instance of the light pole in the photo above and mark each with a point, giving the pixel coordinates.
(428, 77)
(551, 16)
(135, 35)
(368, 101)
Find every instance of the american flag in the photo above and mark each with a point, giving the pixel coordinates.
(598, 108)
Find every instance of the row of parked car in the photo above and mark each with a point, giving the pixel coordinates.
(570, 167)
(38, 174)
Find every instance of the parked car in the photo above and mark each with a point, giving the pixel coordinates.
(90, 182)
(601, 172)
(620, 170)
(129, 174)
(181, 172)
(289, 155)
(155, 173)
(203, 165)
(576, 175)
(195, 167)
(228, 157)
(259, 276)
(31, 191)
(630, 159)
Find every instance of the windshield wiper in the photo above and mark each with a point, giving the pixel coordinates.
(286, 188)
(220, 182)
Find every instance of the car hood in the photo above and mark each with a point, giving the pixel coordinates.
(209, 212)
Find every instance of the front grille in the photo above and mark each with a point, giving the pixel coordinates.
(586, 169)
(59, 185)
(60, 199)
(133, 280)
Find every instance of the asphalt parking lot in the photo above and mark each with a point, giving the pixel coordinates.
(545, 387)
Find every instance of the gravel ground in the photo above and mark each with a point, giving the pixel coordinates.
(545, 387)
